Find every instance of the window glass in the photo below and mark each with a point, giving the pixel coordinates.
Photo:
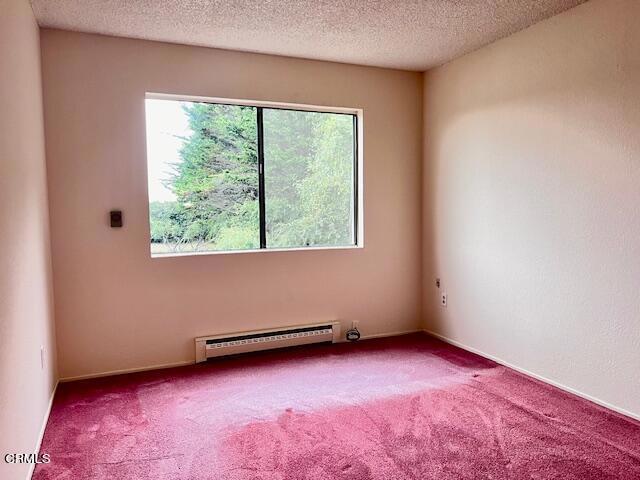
(309, 178)
(229, 177)
(203, 176)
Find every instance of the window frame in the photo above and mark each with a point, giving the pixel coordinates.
(358, 170)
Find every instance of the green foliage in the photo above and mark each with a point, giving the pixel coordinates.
(309, 179)
(313, 203)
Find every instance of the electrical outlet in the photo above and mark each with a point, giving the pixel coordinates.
(42, 357)
(438, 282)
(443, 299)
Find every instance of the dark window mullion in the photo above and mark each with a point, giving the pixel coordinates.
(263, 230)
(356, 175)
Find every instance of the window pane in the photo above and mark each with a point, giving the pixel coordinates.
(203, 176)
(309, 178)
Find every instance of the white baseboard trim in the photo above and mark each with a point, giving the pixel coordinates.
(32, 466)
(389, 334)
(595, 400)
(127, 370)
(191, 362)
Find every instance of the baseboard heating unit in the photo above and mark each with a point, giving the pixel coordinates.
(253, 341)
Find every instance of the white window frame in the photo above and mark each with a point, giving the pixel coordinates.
(359, 163)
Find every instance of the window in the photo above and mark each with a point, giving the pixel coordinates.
(227, 177)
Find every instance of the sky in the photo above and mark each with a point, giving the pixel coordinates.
(165, 123)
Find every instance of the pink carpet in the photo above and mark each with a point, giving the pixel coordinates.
(401, 408)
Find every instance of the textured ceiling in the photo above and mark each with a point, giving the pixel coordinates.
(411, 35)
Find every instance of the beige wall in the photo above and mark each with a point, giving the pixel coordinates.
(26, 311)
(116, 307)
(532, 200)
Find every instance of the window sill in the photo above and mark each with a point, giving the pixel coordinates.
(257, 250)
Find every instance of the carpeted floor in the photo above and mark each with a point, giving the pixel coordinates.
(401, 408)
